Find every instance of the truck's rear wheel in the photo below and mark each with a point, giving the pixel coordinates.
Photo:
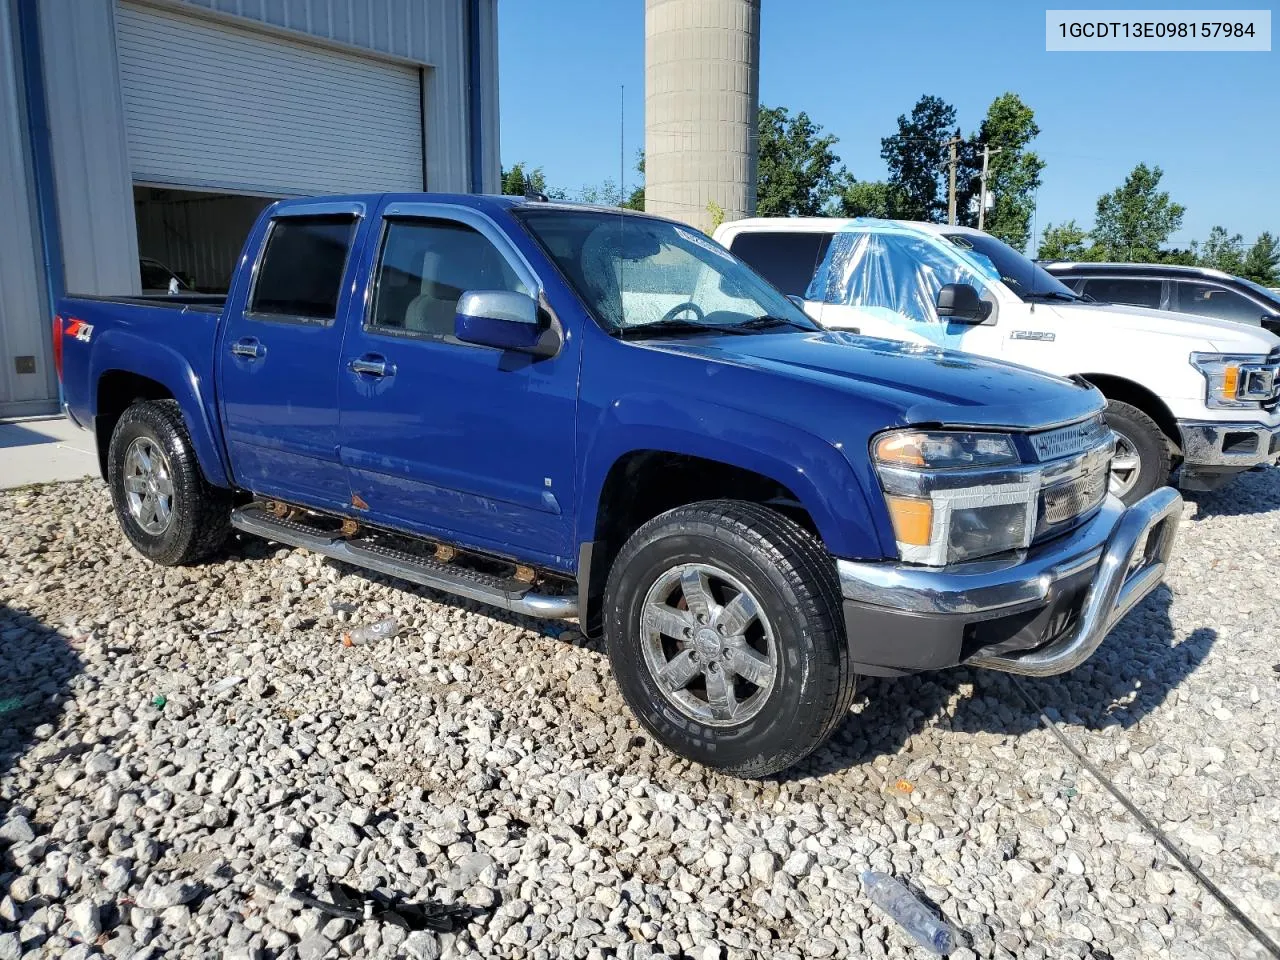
(1142, 461)
(167, 509)
(724, 626)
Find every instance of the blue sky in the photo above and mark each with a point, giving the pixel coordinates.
(1210, 120)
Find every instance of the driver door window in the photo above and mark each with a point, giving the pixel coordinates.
(425, 268)
(1125, 290)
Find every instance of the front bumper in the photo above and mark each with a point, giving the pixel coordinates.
(1245, 444)
(1041, 612)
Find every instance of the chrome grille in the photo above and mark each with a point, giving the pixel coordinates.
(1069, 440)
(1064, 501)
(1262, 382)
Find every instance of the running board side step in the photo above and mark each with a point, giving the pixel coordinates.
(507, 593)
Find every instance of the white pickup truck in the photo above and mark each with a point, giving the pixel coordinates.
(1186, 393)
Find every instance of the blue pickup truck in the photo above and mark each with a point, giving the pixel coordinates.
(568, 411)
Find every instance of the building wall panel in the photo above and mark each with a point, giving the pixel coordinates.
(90, 154)
(24, 315)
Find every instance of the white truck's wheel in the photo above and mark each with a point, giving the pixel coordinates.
(1142, 460)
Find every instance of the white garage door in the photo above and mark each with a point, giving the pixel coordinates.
(216, 107)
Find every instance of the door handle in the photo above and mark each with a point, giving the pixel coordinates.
(249, 348)
(372, 365)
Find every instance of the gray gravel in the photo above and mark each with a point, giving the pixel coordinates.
(488, 760)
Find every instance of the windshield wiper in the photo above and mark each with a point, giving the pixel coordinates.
(768, 320)
(1051, 295)
(663, 327)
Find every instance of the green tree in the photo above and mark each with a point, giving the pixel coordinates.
(870, 198)
(1181, 256)
(1064, 241)
(1014, 173)
(797, 173)
(606, 194)
(635, 199)
(1222, 251)
(1262, 262)
(1135, 219)
(518, 181)
(917, 158)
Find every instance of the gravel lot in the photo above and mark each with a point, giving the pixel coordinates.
(487, 759)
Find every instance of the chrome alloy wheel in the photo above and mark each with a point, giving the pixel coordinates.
(1126, 466)
(708, 645)
(148, 485)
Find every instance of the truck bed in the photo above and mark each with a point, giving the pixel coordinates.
(100, 342)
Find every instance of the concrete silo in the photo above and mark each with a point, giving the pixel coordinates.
(701, 96)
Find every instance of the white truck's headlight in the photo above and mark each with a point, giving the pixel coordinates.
(1237, 380)
(953, 496)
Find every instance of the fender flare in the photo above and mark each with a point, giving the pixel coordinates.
(121, 350)
(815, 470)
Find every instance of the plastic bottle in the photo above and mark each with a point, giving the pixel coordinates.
(912, 915)
(370, 633)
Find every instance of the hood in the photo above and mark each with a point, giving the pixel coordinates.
(1220, 336)
(925, 384)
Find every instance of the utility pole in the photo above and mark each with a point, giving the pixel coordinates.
(987, 153)
(951, 190)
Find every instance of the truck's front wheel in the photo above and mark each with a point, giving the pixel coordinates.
(724, 626)
(166, 508)
(1142, 460)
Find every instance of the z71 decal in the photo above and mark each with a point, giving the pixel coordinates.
(79, 329)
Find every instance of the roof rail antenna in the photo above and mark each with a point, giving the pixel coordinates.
(531, 194)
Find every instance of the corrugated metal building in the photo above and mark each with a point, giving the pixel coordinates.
(140, 138)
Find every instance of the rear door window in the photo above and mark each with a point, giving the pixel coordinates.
(300, 277)
(1134, 291)
(1211, 300)
(786, 259)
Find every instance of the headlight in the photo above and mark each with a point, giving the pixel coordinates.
(1236, 380)
(939, 450)
(986, 513)
(958, 495)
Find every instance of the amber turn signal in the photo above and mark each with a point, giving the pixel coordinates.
(912, 520)
(1230, 381)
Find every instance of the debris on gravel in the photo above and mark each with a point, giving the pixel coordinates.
(149, 806)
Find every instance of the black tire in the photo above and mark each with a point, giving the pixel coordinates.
(1138, 433)
(792, 580)
(199, 514)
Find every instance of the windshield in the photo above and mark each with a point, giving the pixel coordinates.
(633, 272)
(1024, 277)
(895, 269)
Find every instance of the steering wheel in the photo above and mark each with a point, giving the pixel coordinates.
(680, 308)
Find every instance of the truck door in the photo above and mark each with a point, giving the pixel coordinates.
(278, 358)
(470, 444)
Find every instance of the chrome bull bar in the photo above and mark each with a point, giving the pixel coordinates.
(1132, 565)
